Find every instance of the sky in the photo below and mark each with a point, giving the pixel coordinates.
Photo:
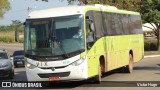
(19, 9)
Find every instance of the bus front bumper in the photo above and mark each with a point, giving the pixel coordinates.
(68, 73)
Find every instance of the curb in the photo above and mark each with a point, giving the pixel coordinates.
(150, 56)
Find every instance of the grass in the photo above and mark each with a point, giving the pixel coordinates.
(151, 53)
(9, 37)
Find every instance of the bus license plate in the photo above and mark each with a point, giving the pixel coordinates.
(54, 78)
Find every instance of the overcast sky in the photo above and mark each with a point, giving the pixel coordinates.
(19, 9)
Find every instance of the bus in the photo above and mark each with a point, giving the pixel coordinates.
(75, 43)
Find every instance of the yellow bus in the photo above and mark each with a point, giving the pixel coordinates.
(81, 42)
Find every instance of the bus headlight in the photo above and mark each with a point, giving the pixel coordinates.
(30, 66)
(78, 62)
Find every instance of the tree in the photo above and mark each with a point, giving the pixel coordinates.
(16, 22)
(150, 11)
(4, 6)
(17, 25)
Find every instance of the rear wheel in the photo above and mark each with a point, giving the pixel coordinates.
(15, 64)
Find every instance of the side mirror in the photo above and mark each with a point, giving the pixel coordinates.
(11, 57)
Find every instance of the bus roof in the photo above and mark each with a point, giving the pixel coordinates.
(74, 10)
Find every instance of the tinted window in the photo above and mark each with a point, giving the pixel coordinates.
(18, 53)
(107, 20)
(136, 24)
(116, 24)
(110, 24)
(3, 56)
(113, 23)
(99, 22)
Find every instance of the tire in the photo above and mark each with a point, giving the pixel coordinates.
(15, 64)
(129, 68)
(11, 74)
(98, 78)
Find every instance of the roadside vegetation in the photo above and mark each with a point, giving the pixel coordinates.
(150, 46)
(9, 37)
(7, 33)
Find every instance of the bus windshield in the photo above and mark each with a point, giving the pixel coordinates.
(54, 36)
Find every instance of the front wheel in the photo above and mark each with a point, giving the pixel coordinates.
(129, 68)
(97, 78)
(11, 74)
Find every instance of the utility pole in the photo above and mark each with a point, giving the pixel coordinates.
(29, 10)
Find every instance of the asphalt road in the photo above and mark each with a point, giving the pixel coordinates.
(147, 69)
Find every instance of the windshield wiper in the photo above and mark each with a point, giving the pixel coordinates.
(60, 46)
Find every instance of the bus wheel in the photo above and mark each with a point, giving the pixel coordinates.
(130, 63)
(129, 68)
(97, 78)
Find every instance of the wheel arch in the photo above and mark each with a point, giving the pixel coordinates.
(131, 52)
(102, 62)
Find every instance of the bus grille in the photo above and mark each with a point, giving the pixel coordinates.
(52, 67)
(47, 75)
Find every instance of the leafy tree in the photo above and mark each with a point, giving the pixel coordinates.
(17, 25)
(4, 6)
(150, 11)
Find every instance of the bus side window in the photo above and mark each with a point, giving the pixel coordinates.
(90, 33)
(90, 30)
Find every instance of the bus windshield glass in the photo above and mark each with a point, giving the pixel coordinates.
(54, 36)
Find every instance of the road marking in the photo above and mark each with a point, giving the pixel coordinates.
(151, 56)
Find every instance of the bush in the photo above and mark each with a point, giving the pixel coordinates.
(21, 40)
(150, 44)
(6, 39)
